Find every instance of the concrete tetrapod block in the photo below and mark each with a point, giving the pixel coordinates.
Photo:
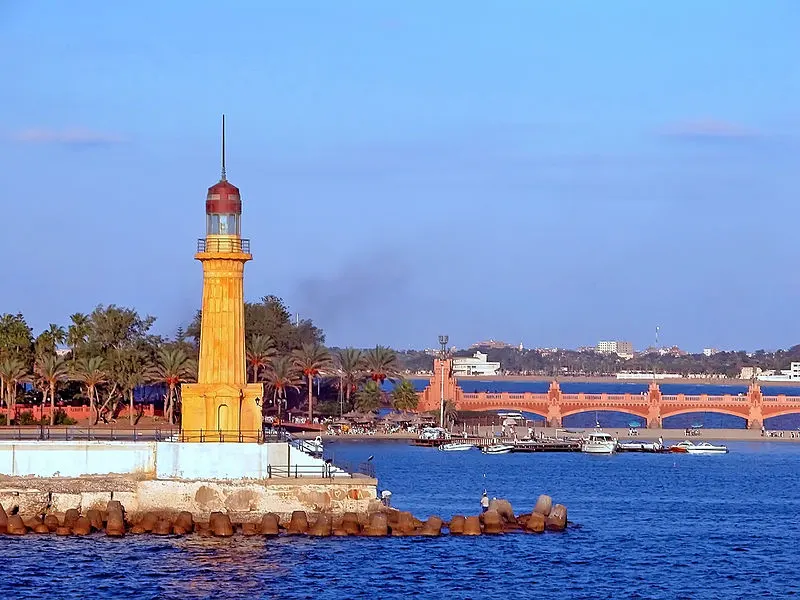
(321, 527)
(298, 524)
(162, 527)
(41, 528)
(15, 526)
(115, 524)
(270, 524)
(82, 526)
(503, 508)
(220, 524)
(95, 518)
(535, 523)
(31, 522)
(350, 523)
(115, 505)
(404, 525)
(457, 523)
(557, 521)
(71, 517)
(432, 527)
(492, 522)
(544, 504)
(250, 528)
(3, 520)
(184, 523)
(148, 521)
(52, 522)
(378, 525)
(472, 526)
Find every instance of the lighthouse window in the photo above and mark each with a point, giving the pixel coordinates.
(223, 224)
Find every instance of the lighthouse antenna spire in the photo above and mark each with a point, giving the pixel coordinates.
(224, 177)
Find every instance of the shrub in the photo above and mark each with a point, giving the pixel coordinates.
(27, 418)
(3, 420)
(61, 418)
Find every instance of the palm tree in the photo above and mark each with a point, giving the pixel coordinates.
(280, 376)
(90, 371)
(51, 370)
(450, 412)
(311, 359)
(173, 366)
(381, 363)
(404, 396)
(368, 398)
(13, 372)
(78, 331)
(260, 352)
(350, 365)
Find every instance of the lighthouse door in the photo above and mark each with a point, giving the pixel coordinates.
(222, 417)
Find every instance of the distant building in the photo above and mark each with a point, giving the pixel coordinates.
(621, 349)
(62, 352)
(494, 345)
(790, 374)
(475, 365)
(710, 351)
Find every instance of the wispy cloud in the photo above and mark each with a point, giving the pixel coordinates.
(73, 136)
(710, 129)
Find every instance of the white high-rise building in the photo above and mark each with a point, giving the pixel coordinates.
(620, 348)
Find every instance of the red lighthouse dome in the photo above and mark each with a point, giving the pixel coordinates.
(223, 203)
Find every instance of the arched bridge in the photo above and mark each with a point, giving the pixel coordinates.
(652, 405)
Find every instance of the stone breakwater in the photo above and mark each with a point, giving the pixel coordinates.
(115, 522)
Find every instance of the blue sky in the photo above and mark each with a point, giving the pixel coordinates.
(547, 172)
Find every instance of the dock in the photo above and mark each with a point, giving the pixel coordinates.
(543, 445)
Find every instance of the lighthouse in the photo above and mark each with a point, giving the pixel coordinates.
(222, 406)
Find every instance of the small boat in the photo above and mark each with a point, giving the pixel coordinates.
(456, 447)
(689, 447)
(599, 442)
(497, 449)
(639, 446)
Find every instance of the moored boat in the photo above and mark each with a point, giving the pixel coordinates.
(456, 447)
(689, 447)
(641, 446)
(599, 442)
(497, 449)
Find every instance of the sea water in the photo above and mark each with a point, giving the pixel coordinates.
(654, 526)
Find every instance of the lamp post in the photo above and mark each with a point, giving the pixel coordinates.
(443, 339)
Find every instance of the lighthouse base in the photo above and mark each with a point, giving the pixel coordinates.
(222, 411)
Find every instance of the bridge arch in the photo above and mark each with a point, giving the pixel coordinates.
(608, 417)
(709, 418)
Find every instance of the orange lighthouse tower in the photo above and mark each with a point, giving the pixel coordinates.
(222, 405)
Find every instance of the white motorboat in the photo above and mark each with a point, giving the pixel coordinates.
(688, 447)
(599, 442)
(456, 447)
(642, 446)
(497, 449)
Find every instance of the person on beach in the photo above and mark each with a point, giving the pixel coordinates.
(484, 502)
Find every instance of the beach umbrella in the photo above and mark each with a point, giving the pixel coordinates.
(634, 424)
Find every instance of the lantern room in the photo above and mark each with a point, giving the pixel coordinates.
(223, 209)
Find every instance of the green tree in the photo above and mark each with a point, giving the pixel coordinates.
(350, 368)
(172, 367)
(382, 364)
(90, 371)
(260, 352)
(16, 338)
(51, 370)
(78, 331)
(49, 340)
(450, 412)
(280, 376)
(404, 396)
(369, 397)
(13, 372)
(310, 360)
